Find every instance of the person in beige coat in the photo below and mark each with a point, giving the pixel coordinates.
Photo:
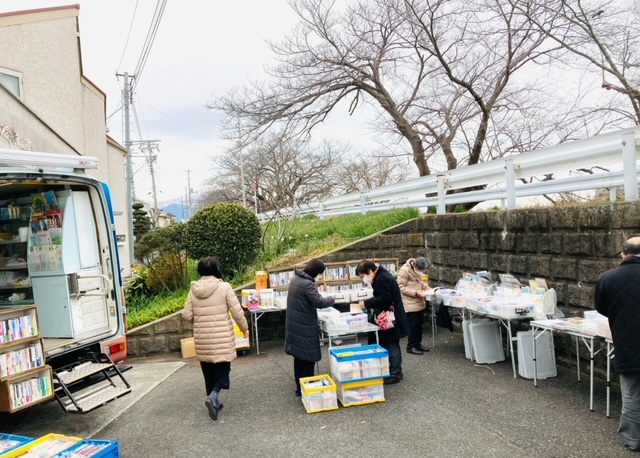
(414, 291)
(208, 305)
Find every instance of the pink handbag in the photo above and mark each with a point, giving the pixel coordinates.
(386, 320)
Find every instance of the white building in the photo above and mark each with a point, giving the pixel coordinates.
(47, 104)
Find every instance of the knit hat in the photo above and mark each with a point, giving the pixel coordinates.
(422, 263)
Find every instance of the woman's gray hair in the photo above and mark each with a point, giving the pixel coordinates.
(422, 263)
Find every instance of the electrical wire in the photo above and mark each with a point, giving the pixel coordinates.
(171, 118)
(135, 8)
(148, 43)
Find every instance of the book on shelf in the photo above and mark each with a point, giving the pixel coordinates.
(30, 390)
(13, 329)
(20, 360)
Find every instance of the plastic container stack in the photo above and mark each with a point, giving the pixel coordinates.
(318, 393)
(359, 373)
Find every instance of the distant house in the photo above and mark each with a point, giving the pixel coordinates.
(48, 105)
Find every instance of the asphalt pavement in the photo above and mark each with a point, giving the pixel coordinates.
(447, 406)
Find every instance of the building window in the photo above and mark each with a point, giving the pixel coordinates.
(12, 81)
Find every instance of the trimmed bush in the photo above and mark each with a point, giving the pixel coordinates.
(227, 231)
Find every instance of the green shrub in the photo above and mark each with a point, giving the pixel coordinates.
(157, 308)
(227, 231)
(162, 252)
(136, 287)
(167, 273)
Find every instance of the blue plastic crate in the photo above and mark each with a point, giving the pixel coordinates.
(350, 364)
(111, 449)
(21, 440)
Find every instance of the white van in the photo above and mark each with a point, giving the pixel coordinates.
(59, 274)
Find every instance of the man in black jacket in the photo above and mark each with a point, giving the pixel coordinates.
(617, 297)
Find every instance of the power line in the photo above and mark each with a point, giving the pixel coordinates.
(128, 35)
(171, 118)
(148, 43)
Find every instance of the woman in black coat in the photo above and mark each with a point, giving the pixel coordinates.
(386, 293)
(301, 334)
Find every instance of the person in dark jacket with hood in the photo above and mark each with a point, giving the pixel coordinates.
(301, 335)
(617, 296)
(386, 293)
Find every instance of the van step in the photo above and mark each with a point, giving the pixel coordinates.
(89, 384)
(93, 396)
(82, 371)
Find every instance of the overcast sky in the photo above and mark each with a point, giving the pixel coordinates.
(202, 50)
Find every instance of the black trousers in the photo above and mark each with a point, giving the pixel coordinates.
(302, 368)
(416, 320)
(216, 376)
(392, 345)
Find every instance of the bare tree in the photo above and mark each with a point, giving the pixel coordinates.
(434, 69)
(603, 34)
(370, 171)
(282, 172)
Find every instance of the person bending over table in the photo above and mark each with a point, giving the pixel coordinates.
(414, 291)
(386, 294)
(617, 296)
(301, 333)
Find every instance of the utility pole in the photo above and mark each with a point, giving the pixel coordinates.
(242, 185)
(151, 159)
(126, 95)
(188, 194)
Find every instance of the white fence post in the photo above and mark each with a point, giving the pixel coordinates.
(630, 167)
(613, 193)
(510, 183)
(321, 211)
(442, 208)
(363, 203)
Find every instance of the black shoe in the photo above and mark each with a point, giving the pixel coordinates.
(298, 393)
(414, 351)
(632, 448)
(392, 380)
(213, 412)
(422, 348)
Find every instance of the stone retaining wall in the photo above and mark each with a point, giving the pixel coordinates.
(569, 246)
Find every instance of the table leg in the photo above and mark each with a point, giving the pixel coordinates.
(578, 357)
(256, 317)
(377, 340)
(510, 336)
(535, 359)
(591, 376)
(608, 378)
(433, 323)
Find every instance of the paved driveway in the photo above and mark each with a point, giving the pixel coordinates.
(446, 407)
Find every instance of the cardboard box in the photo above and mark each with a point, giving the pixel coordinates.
(188, 347)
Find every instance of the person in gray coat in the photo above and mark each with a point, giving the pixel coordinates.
(301, 334)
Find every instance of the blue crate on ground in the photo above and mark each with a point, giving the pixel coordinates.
(11, 441)
(92, 448)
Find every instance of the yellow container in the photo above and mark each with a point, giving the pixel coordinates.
(318, 393)
(188, 347)
(261, 279)
(57, 443)
(361, 393)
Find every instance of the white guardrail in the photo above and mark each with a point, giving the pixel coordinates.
(501, 179)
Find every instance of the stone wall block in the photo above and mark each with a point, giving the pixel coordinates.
(496, 220)
(470, 241)
(447, 222)
(442, 240)
(368, 243)
(517, 220)
(630, 212)
(436, 256)
(594, 217)
(133, 346)
(590, 270)
(403, 228)
(526, 243)
(430, 223)
(477, 221)
(414, 240)
(456, 240)
(562, 267)
(539, 266)
(536, 219)
(580, 296)
(550, 243)
(463, 222)
(580, 244)
(497, 262)
(168, 325)
(508, 241)
(150, 345)
(517, 265)
(563, 218)
(490, 241)
(392, 241)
